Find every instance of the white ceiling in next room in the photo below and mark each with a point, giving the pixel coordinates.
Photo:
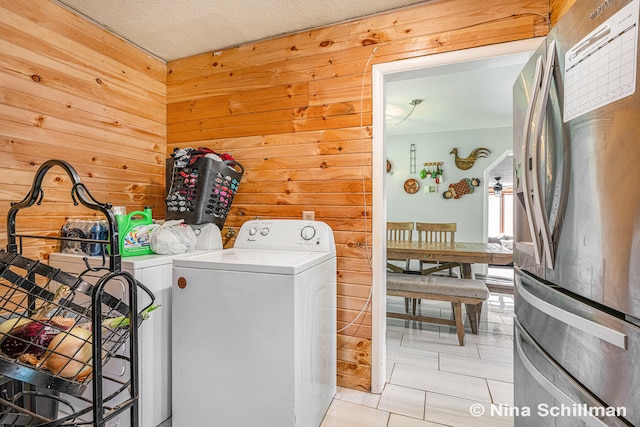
(467, 95)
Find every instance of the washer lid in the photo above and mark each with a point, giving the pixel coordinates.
(256, 261)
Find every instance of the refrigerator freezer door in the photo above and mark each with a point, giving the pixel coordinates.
(598, 349)
(547, 396)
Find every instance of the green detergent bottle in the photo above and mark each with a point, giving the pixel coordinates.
(134, 232)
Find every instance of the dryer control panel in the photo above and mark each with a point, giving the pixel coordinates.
(286, 234)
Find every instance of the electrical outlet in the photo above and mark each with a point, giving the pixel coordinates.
(309, 215)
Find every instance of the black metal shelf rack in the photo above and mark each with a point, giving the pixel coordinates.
(32, 388)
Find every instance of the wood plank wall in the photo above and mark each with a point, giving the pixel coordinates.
(559, 8)
(295, 111)
(70, 90)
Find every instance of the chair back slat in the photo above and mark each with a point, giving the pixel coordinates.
(436, 232)
(399, 231)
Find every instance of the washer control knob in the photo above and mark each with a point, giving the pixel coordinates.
(253, 231)
(264, 231)
(308, 232)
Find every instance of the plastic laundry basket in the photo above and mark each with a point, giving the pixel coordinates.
(202, 192)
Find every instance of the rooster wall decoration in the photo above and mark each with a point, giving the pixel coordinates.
(467, 162)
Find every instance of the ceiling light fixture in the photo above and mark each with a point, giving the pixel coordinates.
(414, 103)
(497, 187)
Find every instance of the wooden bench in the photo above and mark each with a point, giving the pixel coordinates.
(470, 292)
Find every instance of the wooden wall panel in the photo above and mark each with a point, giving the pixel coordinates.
(558, 8)
(295, 111)
(72, 91)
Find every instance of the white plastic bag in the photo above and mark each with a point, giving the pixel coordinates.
(173, 237)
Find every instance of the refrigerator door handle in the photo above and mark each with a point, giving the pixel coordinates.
(540, 213)
(544, 382)
(578, 322)
(526, 187)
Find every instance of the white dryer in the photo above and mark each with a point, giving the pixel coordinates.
(254, 329)
(155, 272)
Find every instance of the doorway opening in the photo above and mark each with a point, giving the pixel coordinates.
(382, 76)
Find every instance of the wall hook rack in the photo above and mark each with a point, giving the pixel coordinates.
(432, 170)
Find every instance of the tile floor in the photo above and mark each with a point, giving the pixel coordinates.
(431, 380)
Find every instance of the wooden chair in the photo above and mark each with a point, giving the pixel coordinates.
(399, 232)
(437, 232)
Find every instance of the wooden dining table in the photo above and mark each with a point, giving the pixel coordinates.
(463, 253)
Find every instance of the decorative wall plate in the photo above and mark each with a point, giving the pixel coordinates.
(411, 186)
(388, 166)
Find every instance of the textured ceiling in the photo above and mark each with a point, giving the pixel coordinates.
(171, 29)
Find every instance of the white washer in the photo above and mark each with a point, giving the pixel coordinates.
(155, 272)
(254, 329)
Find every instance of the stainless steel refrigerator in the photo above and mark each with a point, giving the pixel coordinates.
(577, 222)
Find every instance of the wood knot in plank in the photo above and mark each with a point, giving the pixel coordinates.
(36, 78)
(326, 43)
(363, 358)
(324, 165)
(356, 244)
